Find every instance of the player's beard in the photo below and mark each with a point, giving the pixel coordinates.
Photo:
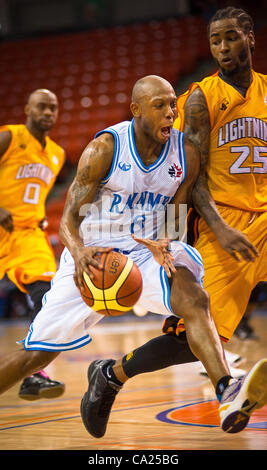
(42, 126)
(243, 64)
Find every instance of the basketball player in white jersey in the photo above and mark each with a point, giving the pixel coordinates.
(125, 179)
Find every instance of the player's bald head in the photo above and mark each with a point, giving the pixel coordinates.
(154, 108)
(149, 86)
(41, 93)
(41, 109)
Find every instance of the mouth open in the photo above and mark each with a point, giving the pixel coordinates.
(166, 131)
(227, 60)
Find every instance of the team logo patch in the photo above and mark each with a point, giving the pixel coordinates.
(205, 414)
(124, 166)
(224, 104)
(265, 99)
(175, 171)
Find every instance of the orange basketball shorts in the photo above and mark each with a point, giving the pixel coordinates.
(26, 256)
(229, 282)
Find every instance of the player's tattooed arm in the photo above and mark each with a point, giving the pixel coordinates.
(197, 129)
(93, 166)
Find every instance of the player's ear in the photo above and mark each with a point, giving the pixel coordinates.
(136, 110)
(251, 39)
(27, 109)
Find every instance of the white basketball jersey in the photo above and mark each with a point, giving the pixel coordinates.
(132, 199)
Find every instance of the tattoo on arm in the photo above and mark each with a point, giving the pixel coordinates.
(92, 168)
(85, 175)
(197, 129)
(78, 193)
(197, 123)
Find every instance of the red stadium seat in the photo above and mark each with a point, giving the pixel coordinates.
(93, 72)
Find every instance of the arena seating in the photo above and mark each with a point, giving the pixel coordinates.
(93, 72)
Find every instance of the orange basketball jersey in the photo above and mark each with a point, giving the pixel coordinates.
(27, 173)
(238, 153)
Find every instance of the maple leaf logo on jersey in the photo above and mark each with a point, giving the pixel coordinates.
(175, 171)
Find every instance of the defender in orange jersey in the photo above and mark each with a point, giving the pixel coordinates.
(225, 117)
(29, 164)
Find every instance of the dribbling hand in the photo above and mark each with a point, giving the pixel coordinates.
(84, 257)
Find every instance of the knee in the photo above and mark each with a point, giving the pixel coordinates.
(37, 360)
(201, 299)
(196, 301)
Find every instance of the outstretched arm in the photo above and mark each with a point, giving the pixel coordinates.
(197, 129)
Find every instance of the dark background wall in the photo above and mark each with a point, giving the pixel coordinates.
(18, 17)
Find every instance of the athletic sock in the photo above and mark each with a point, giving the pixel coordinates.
(222, 385)
(43, 374)
(40, 372)
(158, 353)
(109, 374)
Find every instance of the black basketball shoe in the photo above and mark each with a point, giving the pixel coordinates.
(98, 400)
(39, 385)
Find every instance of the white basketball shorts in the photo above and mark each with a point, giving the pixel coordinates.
(64, 322)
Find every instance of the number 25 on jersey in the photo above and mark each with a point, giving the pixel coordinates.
(259, 157)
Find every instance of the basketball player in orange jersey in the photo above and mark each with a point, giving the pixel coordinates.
(118, 170)
(225, 116)
(29, 164)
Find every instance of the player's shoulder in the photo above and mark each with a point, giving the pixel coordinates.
(211, 83)
(118, 129)
(260, 76)
(54, 144)
(199, 90)
(13, 128)
(56, 148)
(14, 134)
(123, 125)
(57, 153)
(176, 132)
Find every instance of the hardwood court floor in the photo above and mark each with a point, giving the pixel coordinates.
(170, 409)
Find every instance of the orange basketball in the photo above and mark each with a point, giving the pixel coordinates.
(116, 289)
